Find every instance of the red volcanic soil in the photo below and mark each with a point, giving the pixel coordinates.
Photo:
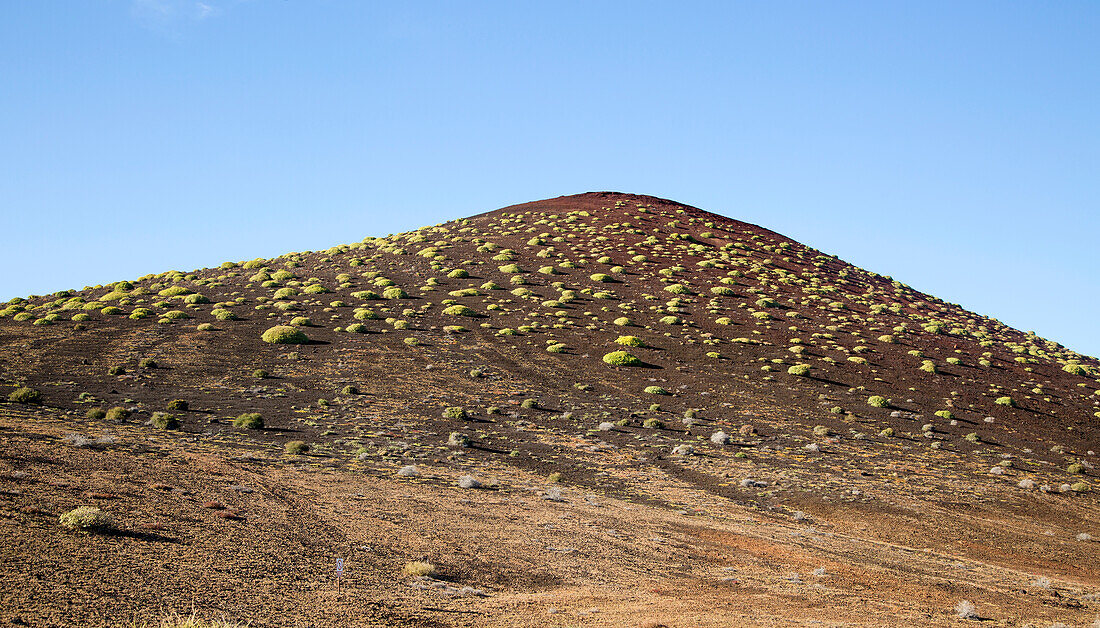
(883, 454)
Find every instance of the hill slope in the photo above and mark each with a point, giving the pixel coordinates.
(773, 411)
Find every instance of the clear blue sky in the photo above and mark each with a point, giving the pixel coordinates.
(951, 145)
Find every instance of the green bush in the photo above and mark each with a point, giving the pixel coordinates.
(260, 374)
(148, 363)
(249, 420)
(164, 421)
(944, 414)
(677, 288)
(529, 404)
(301, 321)
(459, 310)
(457, 413)
(96, 414)
(117, 413)
(1006, 401)
(140, 313)
(223, 314)
(602, 278)
(178, 405)
(393, 292)
(175, 314)
(556, 347)
(510, 269)
(350, 390)
(296, 447)
(25, 395)
(655, 390)
(621, 358)
(1076, 467)
(86, 518)
(204, 327)
(653, 424)
(887, 433)
(623, 321)
(174, 291)
(630, 341)
(285, 334)
(799, 369)
(876, 401)
(458, 273)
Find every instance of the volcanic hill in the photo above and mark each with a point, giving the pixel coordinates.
(594, 410)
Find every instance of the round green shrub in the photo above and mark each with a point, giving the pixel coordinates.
(285, 334)
(148, 363)
(25, 395)
(653, 424)
(117, 413)
(260, 374)
(1006, 401)
(457, 413)
(630, 341)
(96, 414)
(296, 447)
(944, 414)
(459, 310)
(557, 347)
(876, 401)
(178, 405)
(164, 421)
(621, 358)
(223, 314)
(655, 390)
(602, 278)
(301, 321)
(393, 292)
(249, 420)
(1076, 467)
(799, 369)
(458, 273)
(174, 291)
(350, 390)
(623, 321)
(86, 518)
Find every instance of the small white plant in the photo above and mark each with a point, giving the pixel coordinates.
(607, 426)
(683, 450)
(1084, 536)
(812, 447)
(409, 471)
(720, 438)
(1027, 483)
(1042, 582)
(966, 610)
(819, 572)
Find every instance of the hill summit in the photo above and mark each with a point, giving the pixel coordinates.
(605, 408)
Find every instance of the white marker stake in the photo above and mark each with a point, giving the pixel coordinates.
(339, 571)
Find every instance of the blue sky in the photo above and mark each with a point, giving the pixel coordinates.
(953, 146)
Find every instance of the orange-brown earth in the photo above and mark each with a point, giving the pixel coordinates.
(601, 504)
